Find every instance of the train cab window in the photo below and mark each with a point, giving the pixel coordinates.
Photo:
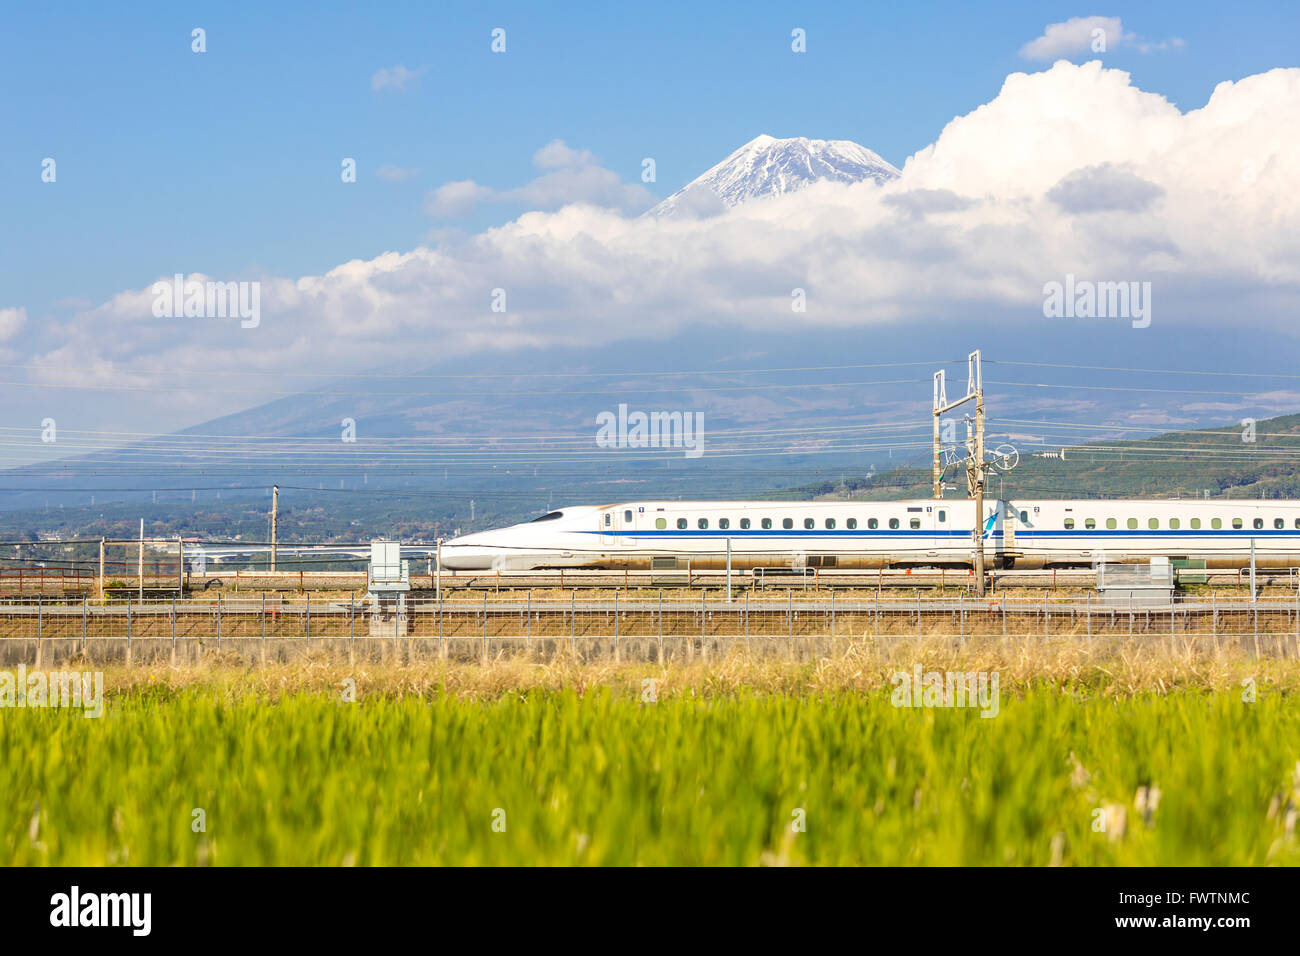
(702, 524)
(1216, 523)
(1279, 524)
(787, 523)
(1090, 524)
(724, 523)
(1195, 523)
(915, 523)
(1258, 523)
(744, 524)
(1069, 524)
(550, 516)
(830, 524)
(893, 523)
(943, 515)
(1132, 523)
(767, 523)
(1174, 523)
(809, 523)
(853, 523)
(681, 524)
(1153, 523)
(661, 523)
(1236, 523)
(1110, 524)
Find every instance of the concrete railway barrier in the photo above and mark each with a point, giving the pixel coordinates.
(652, 628)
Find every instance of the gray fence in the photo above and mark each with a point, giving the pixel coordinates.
(656, 627)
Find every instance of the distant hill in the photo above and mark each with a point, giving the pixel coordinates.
(1213, 461)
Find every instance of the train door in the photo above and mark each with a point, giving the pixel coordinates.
(626, 519)
(942, 523)
(1007, 541)
(931, 525)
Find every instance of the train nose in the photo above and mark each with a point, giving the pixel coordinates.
(468, 553)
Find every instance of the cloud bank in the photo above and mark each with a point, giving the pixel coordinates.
(1072, 170)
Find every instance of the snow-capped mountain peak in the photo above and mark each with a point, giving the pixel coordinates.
(767, 166)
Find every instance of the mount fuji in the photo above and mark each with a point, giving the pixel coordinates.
(766, 166)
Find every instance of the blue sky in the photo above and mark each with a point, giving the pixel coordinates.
(228, 162)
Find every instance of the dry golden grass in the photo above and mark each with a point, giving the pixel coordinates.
(1103, 667)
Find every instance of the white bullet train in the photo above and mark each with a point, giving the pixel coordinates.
(873, 534)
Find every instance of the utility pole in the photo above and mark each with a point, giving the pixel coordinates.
(275, 521)
(940, 400)
(976, 466)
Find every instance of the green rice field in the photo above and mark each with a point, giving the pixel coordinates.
(546, 776)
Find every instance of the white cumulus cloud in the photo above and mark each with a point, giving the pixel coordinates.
(394, 78)
(568, 176)
(1089, 35)
(1072, 170)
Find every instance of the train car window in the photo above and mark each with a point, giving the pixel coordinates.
(830, 524)
(724, 523)
(1236, 523)
(1110, 523)
(809, 523)
(607, 519)
(681, 524)
(1196, 524)
(1174, 523)
(627, 516)
(1069, 524)
(893, 522)
(1258, 523)
(853, 523)
(1153, 523)
(767, 522)
(1132, 523)
(1297, 522)
(943, 515)
(787, 523)
(873, 524)
(1090, 523)
(1024, 516)
(915, 523)
(702, 524)
(1216, 523)
(661, 523)
(1279, 524)
(744, 524)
